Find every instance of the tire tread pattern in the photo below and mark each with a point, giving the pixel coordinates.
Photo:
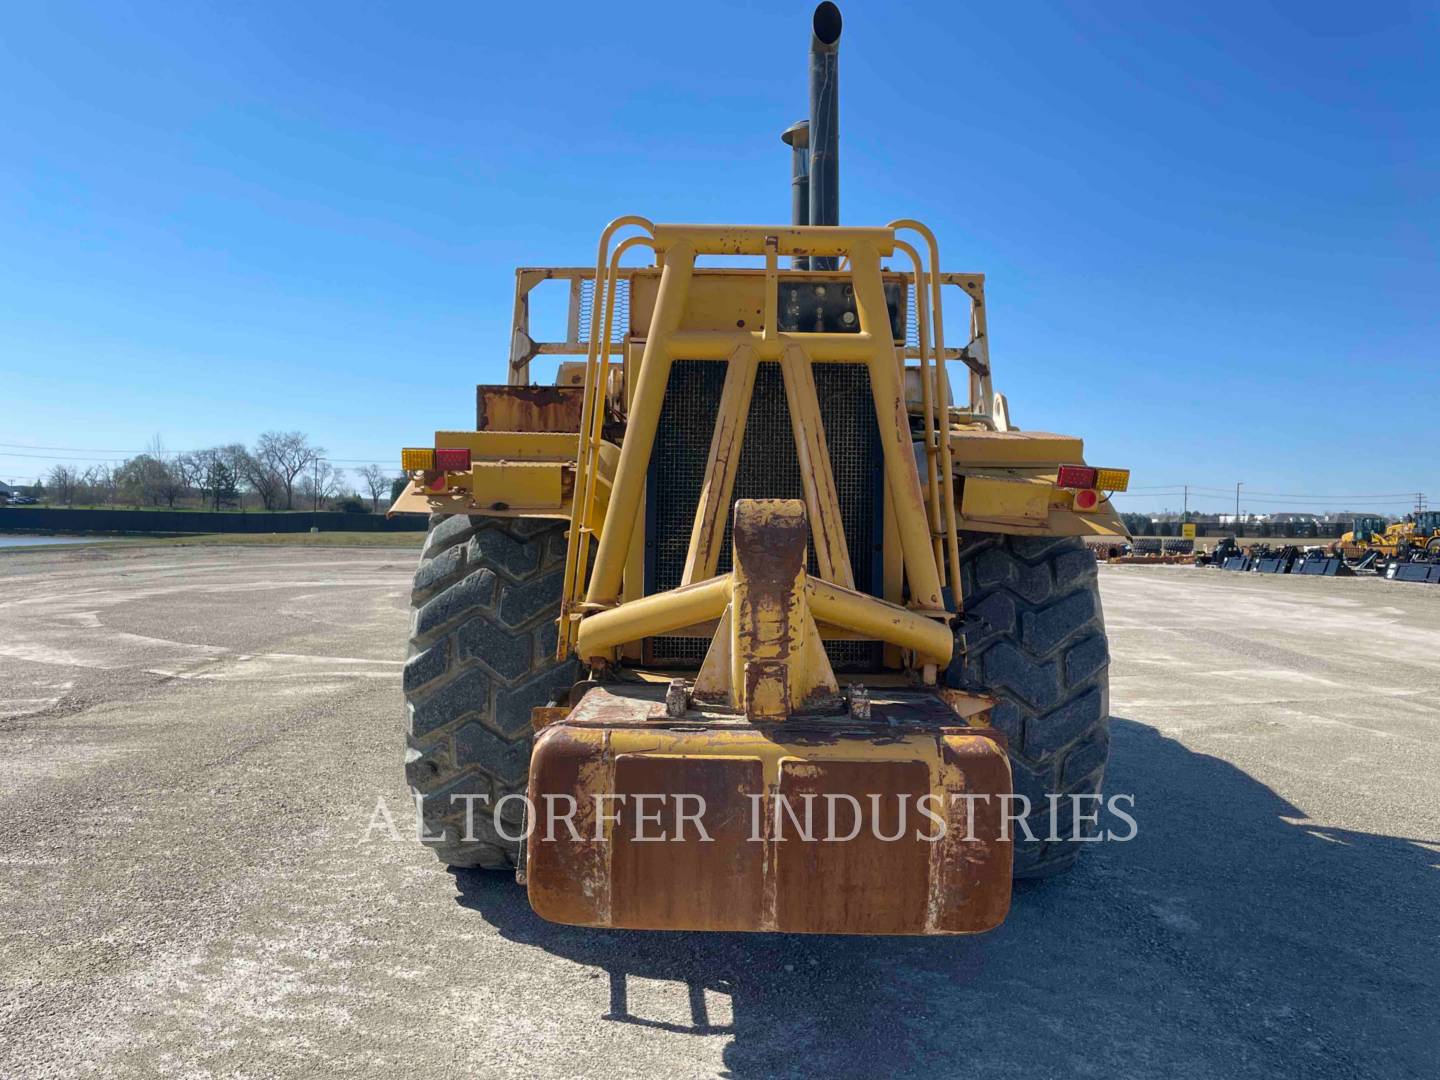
(482, 653)
(1033, 636)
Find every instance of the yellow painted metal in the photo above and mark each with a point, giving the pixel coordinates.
(457, 499)
(592, 412)
(1060, 517)
(752, 610)
(766, 659)
(497, 482)
(506, 445)
(892, 574)
(823, 348)
(653, 377)
(589, 461)
(789, 239)
(942, 384)
(670, 334)
(1006, 498)
(523, 348)
(650, 615)
(930, 639)
(902, 479)
(713, 508)
(832, 552)
(979, 447)
(928, 406)
(517, 485)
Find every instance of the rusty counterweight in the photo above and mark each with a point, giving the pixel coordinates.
(707, 822)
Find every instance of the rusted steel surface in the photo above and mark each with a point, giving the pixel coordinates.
(528, 408)
(662, 883)
(866, 884)
(772, 629)
(646, 865)
(542, 716)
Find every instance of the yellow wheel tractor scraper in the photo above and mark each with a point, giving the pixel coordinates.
(748, 623)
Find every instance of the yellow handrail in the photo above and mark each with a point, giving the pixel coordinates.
(592, 405)
(928, 404)
(947, 489)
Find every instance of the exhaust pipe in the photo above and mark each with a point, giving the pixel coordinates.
(825, 115)
(815, 143)
(797, 137)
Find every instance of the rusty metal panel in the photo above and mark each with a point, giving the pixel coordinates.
(753, 874)
(864, 885)
(720, 884)
(528, 408)
(568, 879)
(966, 893)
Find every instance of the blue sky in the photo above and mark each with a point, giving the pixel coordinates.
(1211, 232)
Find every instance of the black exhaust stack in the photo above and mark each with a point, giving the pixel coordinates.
(825, 116)
(815, 144)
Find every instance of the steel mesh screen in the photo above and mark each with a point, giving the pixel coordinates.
(768, 469)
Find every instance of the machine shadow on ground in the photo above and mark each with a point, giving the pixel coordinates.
(1223, 940)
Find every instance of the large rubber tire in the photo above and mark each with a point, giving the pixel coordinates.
(482, 655)
(1033, 636)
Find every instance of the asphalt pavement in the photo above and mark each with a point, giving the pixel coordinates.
(197, 881)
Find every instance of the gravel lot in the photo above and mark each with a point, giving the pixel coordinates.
(193, 740)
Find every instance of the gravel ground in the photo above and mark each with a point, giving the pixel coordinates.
(193, 741)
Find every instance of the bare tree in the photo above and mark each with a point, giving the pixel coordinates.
(64, 483)
(100, 484)
(321, 482)
(263, 480)
(377, 480)
(164, 478)
(190, 469)
(287, 454)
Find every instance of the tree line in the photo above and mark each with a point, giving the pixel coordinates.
(283, 470)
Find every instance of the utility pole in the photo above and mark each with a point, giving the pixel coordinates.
(1185, 515)
(1237, 504)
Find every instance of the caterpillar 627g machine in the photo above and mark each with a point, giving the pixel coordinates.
(752, 567)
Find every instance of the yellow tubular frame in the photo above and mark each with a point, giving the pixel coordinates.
(594, 625)
(592, 422)
(942, 390)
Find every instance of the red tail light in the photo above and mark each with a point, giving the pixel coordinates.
(451, 459)
(1075, 476)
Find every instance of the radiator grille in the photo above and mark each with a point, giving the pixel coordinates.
(768, 469)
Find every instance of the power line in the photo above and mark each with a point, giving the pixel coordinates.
(77, 452)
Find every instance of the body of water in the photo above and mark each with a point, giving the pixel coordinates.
(48, 541)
